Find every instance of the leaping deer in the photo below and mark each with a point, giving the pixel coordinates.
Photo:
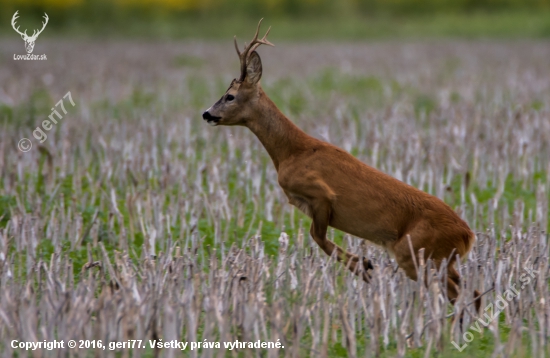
(336, 189)
(29, 40)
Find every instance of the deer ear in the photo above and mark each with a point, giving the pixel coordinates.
(253, 68)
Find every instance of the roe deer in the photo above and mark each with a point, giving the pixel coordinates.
(336, 189)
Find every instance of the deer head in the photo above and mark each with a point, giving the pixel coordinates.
(29, 40)
(235, 106)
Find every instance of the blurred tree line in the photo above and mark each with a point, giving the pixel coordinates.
(101, 14)
(273, 7)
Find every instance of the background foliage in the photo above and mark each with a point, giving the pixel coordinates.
(353, 19)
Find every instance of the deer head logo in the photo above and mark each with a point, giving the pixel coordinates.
(29, 40)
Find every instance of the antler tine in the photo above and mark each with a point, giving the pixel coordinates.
(237, 46)
(255, 42)
(257, 30)
(263, 41)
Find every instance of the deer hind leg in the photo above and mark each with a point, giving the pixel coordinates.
(453, 282)
(320, 213)
(405, 260)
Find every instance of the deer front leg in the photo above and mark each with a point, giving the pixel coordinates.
(320, 214)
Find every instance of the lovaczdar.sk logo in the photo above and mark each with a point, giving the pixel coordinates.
(29, 40)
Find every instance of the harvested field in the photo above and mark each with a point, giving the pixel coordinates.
(134, 220)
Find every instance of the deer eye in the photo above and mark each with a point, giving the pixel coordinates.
(229, 98)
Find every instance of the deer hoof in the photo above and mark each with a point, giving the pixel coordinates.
(367, 265)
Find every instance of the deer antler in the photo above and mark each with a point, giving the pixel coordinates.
(13, 20)
(43, 26)
(248, 49)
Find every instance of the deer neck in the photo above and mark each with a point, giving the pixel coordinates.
(280, 137)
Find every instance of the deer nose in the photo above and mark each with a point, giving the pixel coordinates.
(207, 116)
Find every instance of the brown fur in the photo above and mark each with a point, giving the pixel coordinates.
(336, 189)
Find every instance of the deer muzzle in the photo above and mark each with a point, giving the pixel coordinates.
(212, 120)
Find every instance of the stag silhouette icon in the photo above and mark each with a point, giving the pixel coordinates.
(29, 40)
